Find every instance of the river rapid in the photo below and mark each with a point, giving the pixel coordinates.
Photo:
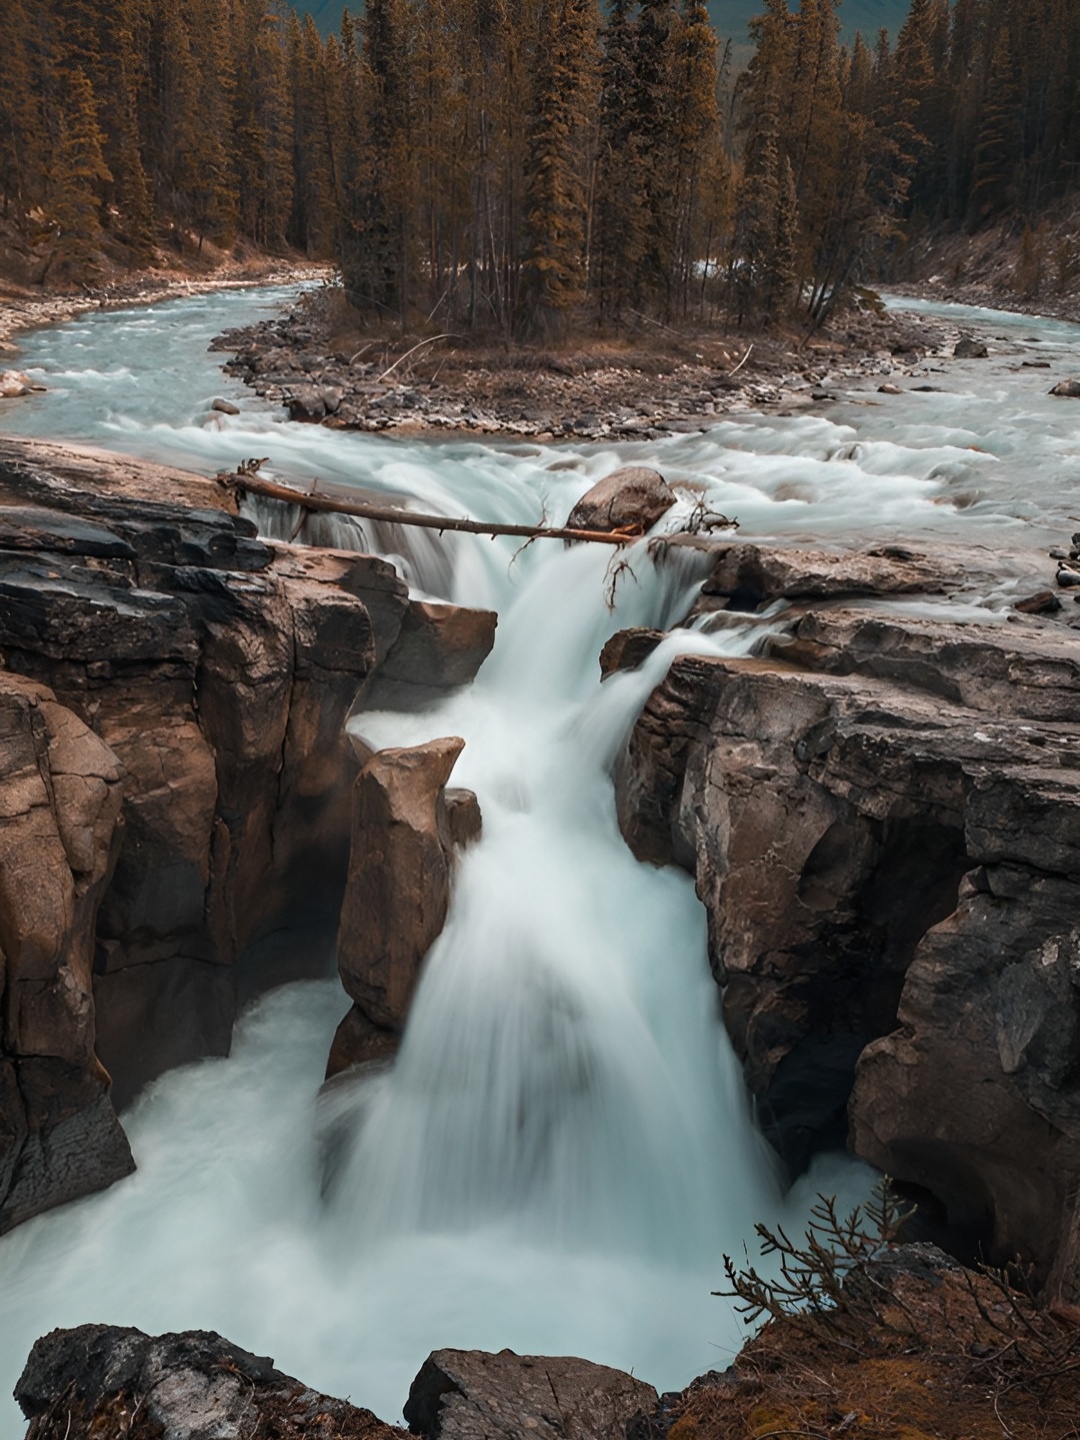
(563, 1151)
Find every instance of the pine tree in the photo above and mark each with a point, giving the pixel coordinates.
(617, 232)
(997, 146)
(554, 187)
(78, 173)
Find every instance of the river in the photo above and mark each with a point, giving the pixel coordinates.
(563, 1151)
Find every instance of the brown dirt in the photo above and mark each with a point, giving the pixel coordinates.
(952, 1360)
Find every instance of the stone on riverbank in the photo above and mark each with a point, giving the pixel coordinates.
(970, 349)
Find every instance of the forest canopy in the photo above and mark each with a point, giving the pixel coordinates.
(518, 165)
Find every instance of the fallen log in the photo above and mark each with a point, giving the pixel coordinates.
(250, 482)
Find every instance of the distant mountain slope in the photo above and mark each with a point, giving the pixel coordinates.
(729, 16)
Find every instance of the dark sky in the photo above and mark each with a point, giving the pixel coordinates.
(729, 16)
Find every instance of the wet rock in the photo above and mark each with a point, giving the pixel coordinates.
(1069, 388)
(216, 675)
(61, 791)
(398, 889)
(889, 389)
(1043, 602)
(1067, 577)
(627, 649)
(748, 576)
(632, 499)
(990, 1010)
(473, 1395)
(464, 821)
(104, 1380)
(224, 407)
(883, 819)
(14, 383)
(438, 648)
(968, 348)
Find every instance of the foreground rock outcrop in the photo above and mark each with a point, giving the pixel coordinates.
(883, 819)
(473, 1395)
(106, 1381)
(175, 809)
(911, 1346)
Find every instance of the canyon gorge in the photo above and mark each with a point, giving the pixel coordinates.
(664, 891)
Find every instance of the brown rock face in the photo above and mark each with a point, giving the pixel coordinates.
(883, 818)
(632, 499)
(746, 576)
(627, 649)
(61, 791)
(404, 829)
(102, 1380)
(178, 817)
(438, 648)
(473, 1395)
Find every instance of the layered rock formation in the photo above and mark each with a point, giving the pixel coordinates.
(883, 818)
(406, 827)
(176, 797)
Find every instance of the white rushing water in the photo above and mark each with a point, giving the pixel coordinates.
(563, 1151)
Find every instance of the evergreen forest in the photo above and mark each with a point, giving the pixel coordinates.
(515, 166)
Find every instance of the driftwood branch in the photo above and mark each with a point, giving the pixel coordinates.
(247, 480)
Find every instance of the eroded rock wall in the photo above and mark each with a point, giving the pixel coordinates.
(883, 817)
(175, 783)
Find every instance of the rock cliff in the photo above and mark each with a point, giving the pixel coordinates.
(883, 818)
(175, 805)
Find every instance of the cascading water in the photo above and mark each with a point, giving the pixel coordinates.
(563, 1151)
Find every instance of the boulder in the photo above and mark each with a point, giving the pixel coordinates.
(306, 403)
(398, 891)
(224, 407)
(14, 383)
(627, 649)
(968, 348)
(631, 499)
(438, 648)
(1040, 602)
(883, 820)
(1069, 388)
(746, 577)
(104, 1380)
(474, 1395)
